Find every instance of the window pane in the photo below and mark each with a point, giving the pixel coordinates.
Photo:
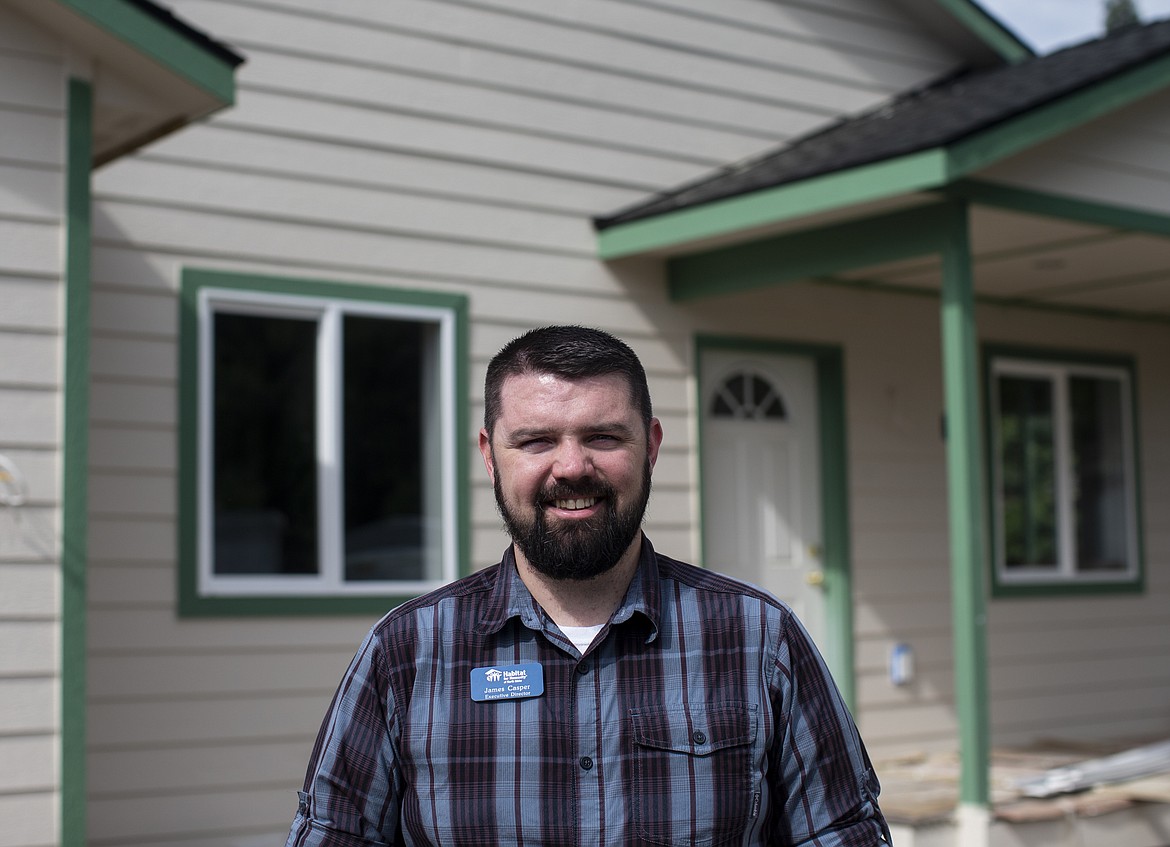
(1099, 472)
(265, 489)
(1027, 472)
(390, 438)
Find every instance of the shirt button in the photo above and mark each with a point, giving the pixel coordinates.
(583, 668)
(699, 737)
(586, 763)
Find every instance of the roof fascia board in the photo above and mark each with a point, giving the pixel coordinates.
(930, 169)
(1046, 122)
(810, 253)
(867, 183)
(989, 30)
(985, 193)
(151, 37)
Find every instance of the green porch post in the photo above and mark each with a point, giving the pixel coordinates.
(966, 504)
(75, 464)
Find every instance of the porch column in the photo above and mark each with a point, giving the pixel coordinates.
(966, 507)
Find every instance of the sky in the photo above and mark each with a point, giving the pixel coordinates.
(1050, 24)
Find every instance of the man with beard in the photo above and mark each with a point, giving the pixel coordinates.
(586, 689)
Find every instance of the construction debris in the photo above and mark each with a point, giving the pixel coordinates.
(1050, 781)
(1134, 763)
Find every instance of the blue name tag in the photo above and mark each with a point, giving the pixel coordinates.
(507, 682)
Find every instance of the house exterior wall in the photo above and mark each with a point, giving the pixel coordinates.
(1079, 667)
(463, 148)
(33, 117)
(1124, 160)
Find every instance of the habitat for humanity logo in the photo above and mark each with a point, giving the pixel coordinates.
(496, 675)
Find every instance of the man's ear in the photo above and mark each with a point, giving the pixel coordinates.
(485, 450)
(654, 440)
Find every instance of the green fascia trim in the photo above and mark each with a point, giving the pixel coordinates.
(830, 371)
(151, 37)
(966, 507)
(985, 193)
(1134, 586)
(868, 183)
(988, 30)
(75, 464)
(929, 169)
(1057, 118)
(809, 253)
(190, 604)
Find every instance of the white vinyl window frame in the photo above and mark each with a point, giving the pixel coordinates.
(441, 416)
(1065, 573)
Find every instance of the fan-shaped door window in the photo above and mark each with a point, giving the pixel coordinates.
(748, 396)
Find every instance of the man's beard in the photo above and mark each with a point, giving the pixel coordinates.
(576, 549)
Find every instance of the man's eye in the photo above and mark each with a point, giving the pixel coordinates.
(604, 438)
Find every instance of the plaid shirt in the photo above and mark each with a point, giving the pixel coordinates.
(701, 715)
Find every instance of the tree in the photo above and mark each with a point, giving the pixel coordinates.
(1119, 14)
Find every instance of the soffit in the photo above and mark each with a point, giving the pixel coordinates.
(1039, 261)
(150, 72)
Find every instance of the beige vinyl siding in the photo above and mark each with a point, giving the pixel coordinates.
(455, 147)
(1082, 668)
(1124, 161)
(32, 114)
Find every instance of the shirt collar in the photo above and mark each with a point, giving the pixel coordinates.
(510, 597)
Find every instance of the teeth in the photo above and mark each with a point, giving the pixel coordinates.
(579, 503)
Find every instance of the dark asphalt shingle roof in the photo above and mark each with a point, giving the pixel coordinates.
(942, 113)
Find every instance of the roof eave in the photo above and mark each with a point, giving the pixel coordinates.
(742, 217)
(152, 73)
(990, 31)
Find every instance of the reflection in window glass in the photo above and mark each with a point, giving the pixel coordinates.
(1099, 472)
(265, 470)
(386, 447)
(1064, 477)
(1027, 472)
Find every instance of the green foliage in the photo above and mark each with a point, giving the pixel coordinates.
(1119, 14)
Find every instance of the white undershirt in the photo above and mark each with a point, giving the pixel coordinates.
(582, 636)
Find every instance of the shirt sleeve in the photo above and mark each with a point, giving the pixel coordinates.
(819, 773)
(353, 786)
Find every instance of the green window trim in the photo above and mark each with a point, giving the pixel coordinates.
(197, 284)
(1133, 580)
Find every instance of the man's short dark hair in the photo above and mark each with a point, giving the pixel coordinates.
(570, 352)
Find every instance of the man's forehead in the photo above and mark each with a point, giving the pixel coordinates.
(522, 394)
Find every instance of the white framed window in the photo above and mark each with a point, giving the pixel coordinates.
(1063, 472)
(326, 454)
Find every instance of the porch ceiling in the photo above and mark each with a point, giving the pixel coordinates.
(1039, 261)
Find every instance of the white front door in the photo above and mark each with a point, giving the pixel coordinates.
(761, 476)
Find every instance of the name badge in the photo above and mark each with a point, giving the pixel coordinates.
(507, 682)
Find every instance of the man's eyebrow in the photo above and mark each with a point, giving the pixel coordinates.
(619, 428)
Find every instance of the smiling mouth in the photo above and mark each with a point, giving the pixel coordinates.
(575, 504)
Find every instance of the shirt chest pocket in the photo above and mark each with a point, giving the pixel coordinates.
(693, 773)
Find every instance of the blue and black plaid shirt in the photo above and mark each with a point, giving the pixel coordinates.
(701, 715)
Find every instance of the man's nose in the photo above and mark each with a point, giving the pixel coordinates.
(572, 460)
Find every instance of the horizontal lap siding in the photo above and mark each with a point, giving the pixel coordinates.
(32, 194)
(1124, 161)
(456, 147)
(1066, 667)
